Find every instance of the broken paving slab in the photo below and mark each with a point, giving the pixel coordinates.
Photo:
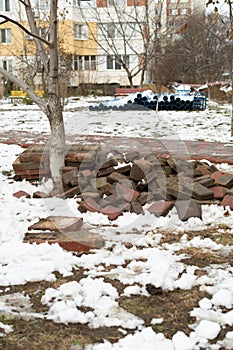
(225, 180)
(187, 209)
(80, 241)
(160, 208)
(58, 224)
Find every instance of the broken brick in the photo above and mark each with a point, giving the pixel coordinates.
(89, 205)
(40, 194)
(227, 201)
(160, 208)
(225, 180)
(112, 212)
(20, 194)
(58, 224)
(219, 192)
(187, 209)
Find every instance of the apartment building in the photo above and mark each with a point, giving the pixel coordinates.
(100, 41)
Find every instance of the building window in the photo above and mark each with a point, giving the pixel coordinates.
(184, 0)
(114, 61)
(116, 3)
(42, 5)
(119, 30)
(173, 12)
(183, 11)
(5, 36)
(80, 31)
(84, 62)
(173, 1)
(6, 64)
(4, 5)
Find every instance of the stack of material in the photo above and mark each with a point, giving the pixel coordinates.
(33, 163)
(66, 231)
(132, 182)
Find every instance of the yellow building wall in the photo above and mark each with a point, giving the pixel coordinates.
(20, 45)
(73, 46)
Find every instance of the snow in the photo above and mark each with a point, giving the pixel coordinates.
(145, 261)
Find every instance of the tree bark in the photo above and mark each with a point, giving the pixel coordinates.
(55, 116)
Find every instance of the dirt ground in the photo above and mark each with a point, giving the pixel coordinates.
(39, 334)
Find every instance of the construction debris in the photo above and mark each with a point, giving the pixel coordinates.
(122, 182)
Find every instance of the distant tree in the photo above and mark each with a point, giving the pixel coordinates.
(127, 31)
(200, 50)
(229, 40)
(47, 51)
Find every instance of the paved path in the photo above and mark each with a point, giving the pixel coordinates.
(216, 152)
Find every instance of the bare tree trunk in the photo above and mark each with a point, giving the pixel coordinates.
(57, 145)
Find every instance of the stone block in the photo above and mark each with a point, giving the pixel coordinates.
(187, 209)
(58, 224)
(160, 208)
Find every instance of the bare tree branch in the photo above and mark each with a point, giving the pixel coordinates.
(7, 19)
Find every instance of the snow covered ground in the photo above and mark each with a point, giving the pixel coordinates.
(145, 262)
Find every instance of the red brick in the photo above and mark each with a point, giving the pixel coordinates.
(127, 193)
(225, 180)
(219, 192)
(160, 208)
(58, 224)
(72, 242)
(20, 194)
(204, 169)
(187, 209)
(69, 193)
(39, 194)
(112, 212)
(216, 175)
(227, 201)
(89, 205)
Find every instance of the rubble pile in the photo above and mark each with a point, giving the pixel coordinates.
(130, 182)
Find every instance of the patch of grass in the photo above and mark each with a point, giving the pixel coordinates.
(167, 305)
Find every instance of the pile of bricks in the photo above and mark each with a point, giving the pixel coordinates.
(115, 183)
(33, 163)
(130, 182)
